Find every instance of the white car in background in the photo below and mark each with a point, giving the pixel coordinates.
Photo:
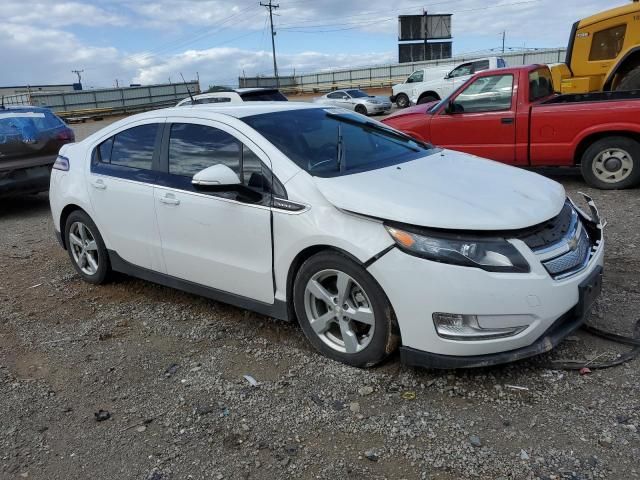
(430, 84)
(368, 238)
(238, 95)
(355, 99)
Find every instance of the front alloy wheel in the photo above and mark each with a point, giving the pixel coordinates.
(339, 311)
(343, 311)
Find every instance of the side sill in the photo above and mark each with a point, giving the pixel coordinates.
(276, 310)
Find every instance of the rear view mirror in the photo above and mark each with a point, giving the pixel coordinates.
(215, 176)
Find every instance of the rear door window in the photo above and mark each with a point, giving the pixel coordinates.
(540, 84)
(133, 148)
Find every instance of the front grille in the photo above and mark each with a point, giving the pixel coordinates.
(575, 259)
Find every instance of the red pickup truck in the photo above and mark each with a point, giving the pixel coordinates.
(512, 115)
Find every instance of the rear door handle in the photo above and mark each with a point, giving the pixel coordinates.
(169, 199)
(507, 120)
(99, 185)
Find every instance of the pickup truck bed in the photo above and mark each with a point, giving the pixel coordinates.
(512, 116)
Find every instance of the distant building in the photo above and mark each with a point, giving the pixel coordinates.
(19, 89)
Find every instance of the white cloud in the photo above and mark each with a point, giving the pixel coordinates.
(57, 14)
(38, 44)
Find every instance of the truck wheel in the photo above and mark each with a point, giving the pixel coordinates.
(343, 311)
(631, 80)
(612, 163)
(427, 99)
(402, 101)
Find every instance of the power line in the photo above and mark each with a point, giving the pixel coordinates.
(271, 7)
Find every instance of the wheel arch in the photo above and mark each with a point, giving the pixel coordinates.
(297, 262)
(588, 140)
(66, 211)
(628, 62)
(430, 93)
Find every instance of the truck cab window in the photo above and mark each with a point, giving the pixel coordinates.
(607, 44)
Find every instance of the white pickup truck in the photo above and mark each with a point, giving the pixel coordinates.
(429, 84)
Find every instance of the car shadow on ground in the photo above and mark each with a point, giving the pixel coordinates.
(23, 205)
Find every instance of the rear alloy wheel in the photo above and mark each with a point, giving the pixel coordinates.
(361, 109)
(612, 163)
(402, 101)
(86, 248)
(343, 312)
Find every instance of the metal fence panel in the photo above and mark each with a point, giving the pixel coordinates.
(115, 98)
(386, 75)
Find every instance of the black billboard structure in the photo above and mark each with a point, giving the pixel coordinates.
(415, 33)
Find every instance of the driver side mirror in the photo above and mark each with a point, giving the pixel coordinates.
(215, 176)
(345, 97)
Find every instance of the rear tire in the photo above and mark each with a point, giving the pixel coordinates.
(427, 99)
(612, 163)
(630, 81)
(362, 110)
(343, 311)
(86, 248)
(402, 101)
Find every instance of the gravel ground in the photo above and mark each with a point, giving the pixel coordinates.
(163, 372)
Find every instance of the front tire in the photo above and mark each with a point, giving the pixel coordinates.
(402, 101)
(630, 81)
(362, 110)
(343, 311)
(86, 248)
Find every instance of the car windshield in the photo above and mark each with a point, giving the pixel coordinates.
(335, 142)
(263, 96)
(357, 93)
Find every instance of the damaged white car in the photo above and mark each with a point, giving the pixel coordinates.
(370, 239)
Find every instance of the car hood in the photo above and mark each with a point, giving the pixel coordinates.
(450, 190)
(421, 109)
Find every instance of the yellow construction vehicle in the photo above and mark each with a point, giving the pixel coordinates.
(603, 53)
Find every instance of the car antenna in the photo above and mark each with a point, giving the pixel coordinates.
(193, 102)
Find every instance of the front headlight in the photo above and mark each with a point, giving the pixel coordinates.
(491, 254)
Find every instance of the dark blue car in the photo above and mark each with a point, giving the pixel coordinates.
(30, 138)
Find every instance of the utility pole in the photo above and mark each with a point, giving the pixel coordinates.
(426, 34)
(78, 72)
(271, 8)
(504, 33)
(117, 84)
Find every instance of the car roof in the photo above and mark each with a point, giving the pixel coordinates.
(24, 108)
(236, 110)
(233, 90)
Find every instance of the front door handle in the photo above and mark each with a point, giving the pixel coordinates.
(169, 199)
(99, 185)
(507, 120)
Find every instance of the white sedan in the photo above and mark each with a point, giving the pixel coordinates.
(367, 238)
